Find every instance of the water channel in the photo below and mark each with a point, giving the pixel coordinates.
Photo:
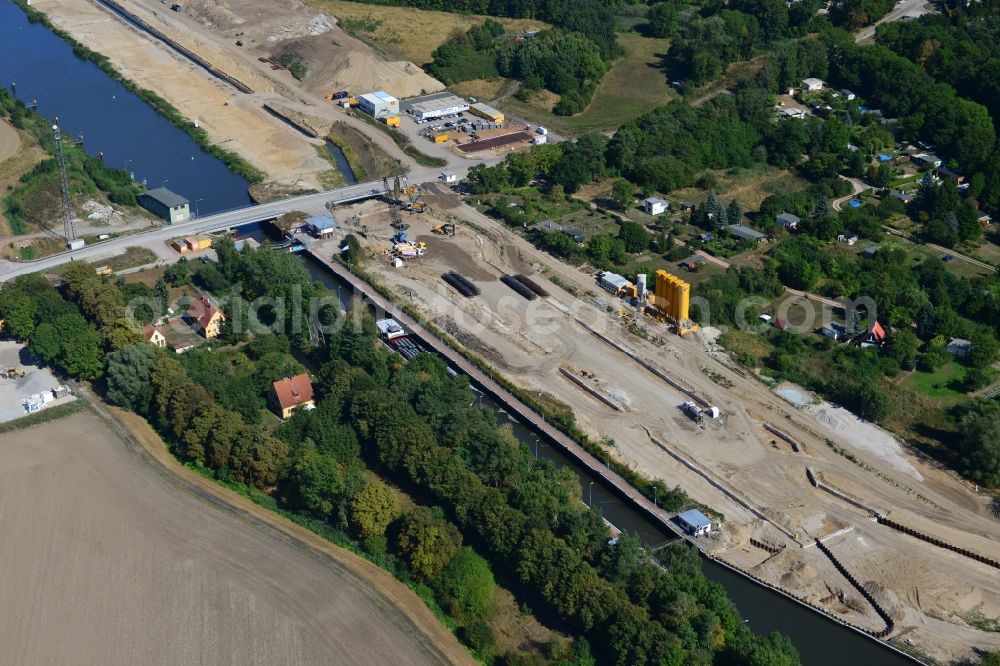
(820, 641)
(124, 128)
(112, 120)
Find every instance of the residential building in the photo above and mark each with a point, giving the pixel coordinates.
(788, 221)
(552, 225)
(926, 160)
(869, 252)
(321, 226)
(206, 317)
(693, 262)
(848, 239)
(154, 335)
(448, 177)
(694, 522)
(874, 336)
(654, 206)
(792, 112)
(947, 172)
(812, 84)
(985, 219)
(293, 393)
(848, 95)
(959, 348)
(379, 104)
(745, 233)
(834, 331)
(905, 197)
(167, 205)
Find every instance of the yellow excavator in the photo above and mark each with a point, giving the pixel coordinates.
(13, 373)
(447, 229)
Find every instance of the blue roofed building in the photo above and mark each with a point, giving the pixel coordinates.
(321, 226)
(695, 522)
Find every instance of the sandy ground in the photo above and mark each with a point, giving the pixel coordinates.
(927, 588)
(109, 558)
(231, 119)
(10, 140)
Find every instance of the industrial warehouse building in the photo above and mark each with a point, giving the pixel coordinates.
(442, 106)
(163, 203)
(615, 284)
(379, 104)
(487, 112)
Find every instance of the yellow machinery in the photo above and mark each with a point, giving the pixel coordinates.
(392, 121)
(440, 138)
(13, 373)
(447, 229)
(672, 296)
(103, 270)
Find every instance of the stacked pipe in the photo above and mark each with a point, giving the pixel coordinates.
(461, 285)
(890, 624)
(516, 285)
(532, 285)
(882, 520)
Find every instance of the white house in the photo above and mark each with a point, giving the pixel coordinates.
(654, 206)
(848, 95)
(449, 177)
(812, 84)
(694, 522)
(788, 221)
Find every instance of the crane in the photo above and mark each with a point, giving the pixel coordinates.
(69, 223)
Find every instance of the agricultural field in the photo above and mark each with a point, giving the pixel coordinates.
(130, 550)
(636, 84)
(405, 32)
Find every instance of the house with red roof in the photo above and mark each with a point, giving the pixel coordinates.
(875, 336)
(154, 335)
(206, 317)
(293, 393)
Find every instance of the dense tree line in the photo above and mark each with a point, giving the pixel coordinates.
(418, 427)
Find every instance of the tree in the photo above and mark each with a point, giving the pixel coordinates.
(373, 509)
(734, 213)
(717, 214)
(128, 376)
(634, 236)
(623, 193)
(427, 542)
(257, 457)
(984, 349)
(467, 583)
(979, 445)
(317, 482)
(903, 346)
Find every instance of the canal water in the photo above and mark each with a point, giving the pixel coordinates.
(112, 120)
(343, 166)
(820, 641)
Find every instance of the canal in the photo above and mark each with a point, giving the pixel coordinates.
(126, 130)
(820, 641)
(112, 120)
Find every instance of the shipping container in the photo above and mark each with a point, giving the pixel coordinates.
(440, 138)
(392, 121)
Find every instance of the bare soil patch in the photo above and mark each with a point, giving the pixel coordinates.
(111, 558)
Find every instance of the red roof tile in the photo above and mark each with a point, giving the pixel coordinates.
(202, 311)
(292, 391)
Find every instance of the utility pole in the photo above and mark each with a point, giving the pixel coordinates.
(69, 222)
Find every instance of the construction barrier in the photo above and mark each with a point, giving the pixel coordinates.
(767, 545)
(777, 433)
(589, 389)
(882, 520)
(890, 624)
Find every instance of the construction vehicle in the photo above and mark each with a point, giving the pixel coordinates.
(13, 373)
(447, 229)
(392, 121)
(440, 138)
(409, 250)
(102, 270)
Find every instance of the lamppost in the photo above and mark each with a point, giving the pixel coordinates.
(590, 502)
(196, 213)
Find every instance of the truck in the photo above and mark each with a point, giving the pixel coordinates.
(392, 121)
(542, 131)
(340, 94)
(692, 410)
(409, 250)
(539, 140)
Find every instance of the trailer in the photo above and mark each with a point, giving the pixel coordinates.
(693, 410)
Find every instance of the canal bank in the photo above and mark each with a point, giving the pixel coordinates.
(112, 120)
(820, 637)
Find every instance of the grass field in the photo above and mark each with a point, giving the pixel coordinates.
(635, 85)
(749, 186)
(404, 32)
(936, 384)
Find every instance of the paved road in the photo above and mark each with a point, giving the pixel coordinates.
(912, 8)
(857, 187)
(10, 270)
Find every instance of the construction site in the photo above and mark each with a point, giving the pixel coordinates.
(814, 502)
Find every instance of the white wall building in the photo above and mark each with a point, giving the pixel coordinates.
(379, 104)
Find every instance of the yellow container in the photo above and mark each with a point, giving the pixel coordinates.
(440, 138)
(393, 121)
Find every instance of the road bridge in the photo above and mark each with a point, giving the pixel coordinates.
(209, 224)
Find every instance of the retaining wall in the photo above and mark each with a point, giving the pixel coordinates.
(989, 561)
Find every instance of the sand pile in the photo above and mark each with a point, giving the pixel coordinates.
(865, 436)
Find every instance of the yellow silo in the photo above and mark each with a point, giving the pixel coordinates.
(683, 301)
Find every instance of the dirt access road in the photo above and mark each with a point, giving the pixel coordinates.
(928, 591)
(10, 140)
(113, 556)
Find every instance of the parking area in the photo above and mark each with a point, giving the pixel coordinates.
(37, 384)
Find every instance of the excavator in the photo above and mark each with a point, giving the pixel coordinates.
(446, 229)
(13, 373)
